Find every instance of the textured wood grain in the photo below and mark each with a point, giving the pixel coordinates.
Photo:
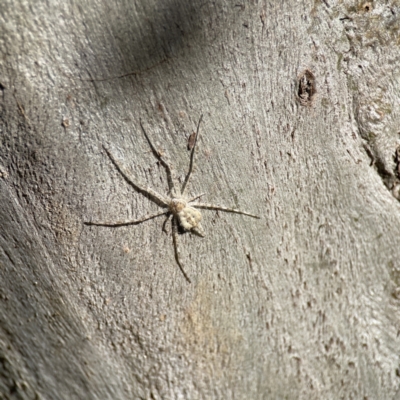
(302, 304)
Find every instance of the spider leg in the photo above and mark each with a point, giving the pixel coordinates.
(220, 208)
(127, 221)
(127, 174)
(171, 181)
(185, 183)
(197, 197)
(176, 248)
(165, 223)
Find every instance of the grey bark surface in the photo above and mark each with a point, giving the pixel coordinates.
(301, 126)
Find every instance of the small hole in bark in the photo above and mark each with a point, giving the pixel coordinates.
(367, 6)
(306, 88)
(397, 162)
(65, 122)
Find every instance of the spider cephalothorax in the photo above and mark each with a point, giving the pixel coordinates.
(184, 213)
(177, 205)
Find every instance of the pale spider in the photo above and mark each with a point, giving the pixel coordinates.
(184, 212)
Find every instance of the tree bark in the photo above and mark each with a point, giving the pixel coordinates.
(301, 114)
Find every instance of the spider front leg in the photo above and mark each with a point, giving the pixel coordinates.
(176, 247)
(192, 154)
(128, 176)
(127, 222)
(173, 187)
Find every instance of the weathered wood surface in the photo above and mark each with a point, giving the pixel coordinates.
(302, 304)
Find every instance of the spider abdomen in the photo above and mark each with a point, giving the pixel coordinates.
(189, 218)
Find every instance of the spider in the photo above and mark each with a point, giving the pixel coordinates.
(183, 209)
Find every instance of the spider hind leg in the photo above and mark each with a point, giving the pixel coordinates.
(177, 250)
